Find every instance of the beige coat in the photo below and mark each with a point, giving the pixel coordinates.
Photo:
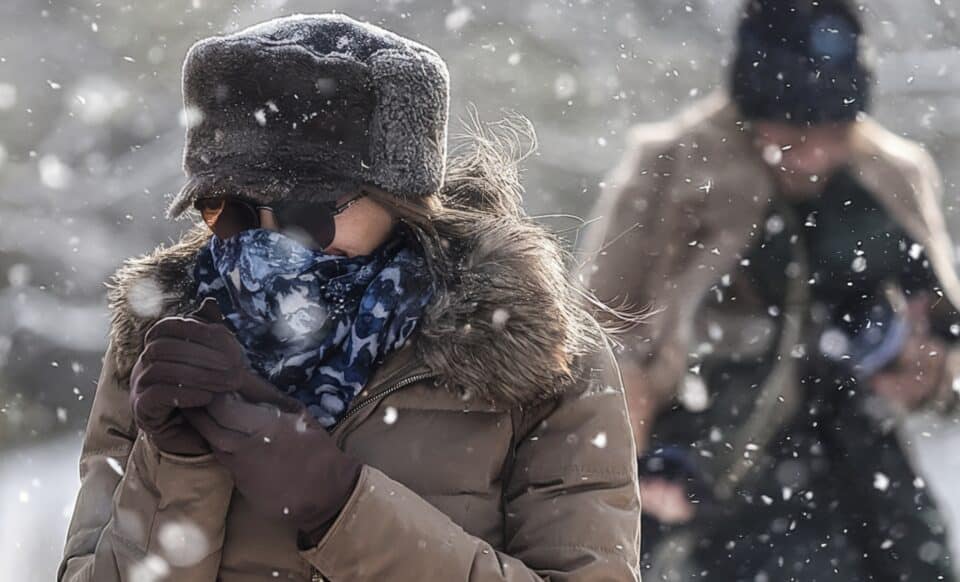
(684, 204)
(495, 448)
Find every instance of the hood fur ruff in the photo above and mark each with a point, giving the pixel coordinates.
(506, 324)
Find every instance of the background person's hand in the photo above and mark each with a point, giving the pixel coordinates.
(666, 501)
(918, 372)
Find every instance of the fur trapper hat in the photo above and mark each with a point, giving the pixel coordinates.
(309, 107)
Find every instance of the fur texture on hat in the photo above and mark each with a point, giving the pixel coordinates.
(308, 107)
(802, 62)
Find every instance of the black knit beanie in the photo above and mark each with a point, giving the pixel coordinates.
(801, 61)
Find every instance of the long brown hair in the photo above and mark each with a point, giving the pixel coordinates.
(480, 201)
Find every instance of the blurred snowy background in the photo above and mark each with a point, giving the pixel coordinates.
(91, 131)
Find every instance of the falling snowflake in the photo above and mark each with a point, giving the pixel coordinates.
(564, 86)
(880, 481)
(599, 441)
(183, 542)
(458, 18)
(191, 117)
(390, 415)
(152, 568)
(8, 96)
(146, 298)
(499, 318)
(772, 155)
(54, 174)
(97, 99)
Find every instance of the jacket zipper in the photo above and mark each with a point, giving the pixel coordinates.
(360, 405)
(379, 396)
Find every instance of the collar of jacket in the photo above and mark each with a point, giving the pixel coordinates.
(729, 188)
(510, 331)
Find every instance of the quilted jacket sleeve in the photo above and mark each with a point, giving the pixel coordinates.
(121, 530)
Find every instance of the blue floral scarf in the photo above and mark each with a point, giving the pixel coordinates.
(315, 325)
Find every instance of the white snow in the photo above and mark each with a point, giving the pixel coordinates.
(499, 318)
(183, 542)
(599, 441)
(859, 265)
(54, 174)
(390, 415)
(693, 394)
(153, 568)
(19, 275)
(458, 18)
(97, 99)
(880, 481)
(916, 250)
(564, 86)
(146, 298)
(775, 224)
(772, 155)
(8, 96)
(190, 117)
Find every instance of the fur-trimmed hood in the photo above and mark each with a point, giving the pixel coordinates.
(506, 325)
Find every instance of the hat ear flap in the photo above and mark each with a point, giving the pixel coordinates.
(409, 126)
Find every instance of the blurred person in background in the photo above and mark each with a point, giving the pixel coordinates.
(372, 369)
(802, 294)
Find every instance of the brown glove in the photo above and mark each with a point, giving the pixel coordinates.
(185, 361)
(282, 460)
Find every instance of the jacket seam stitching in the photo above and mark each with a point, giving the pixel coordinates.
(579, 471)
(600, 549)
(111, 452)
(127, 543)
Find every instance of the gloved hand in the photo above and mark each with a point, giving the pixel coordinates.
(282, 460)
(185, 361)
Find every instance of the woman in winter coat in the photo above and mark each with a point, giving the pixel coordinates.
(367, 364)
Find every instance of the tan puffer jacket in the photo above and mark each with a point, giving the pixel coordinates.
(496, 445)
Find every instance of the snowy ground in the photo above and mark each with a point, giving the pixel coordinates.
(38, 486)
(37, 489)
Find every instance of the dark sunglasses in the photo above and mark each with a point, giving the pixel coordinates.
(310, 223)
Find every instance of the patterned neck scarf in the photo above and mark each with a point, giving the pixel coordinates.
(315, 325)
